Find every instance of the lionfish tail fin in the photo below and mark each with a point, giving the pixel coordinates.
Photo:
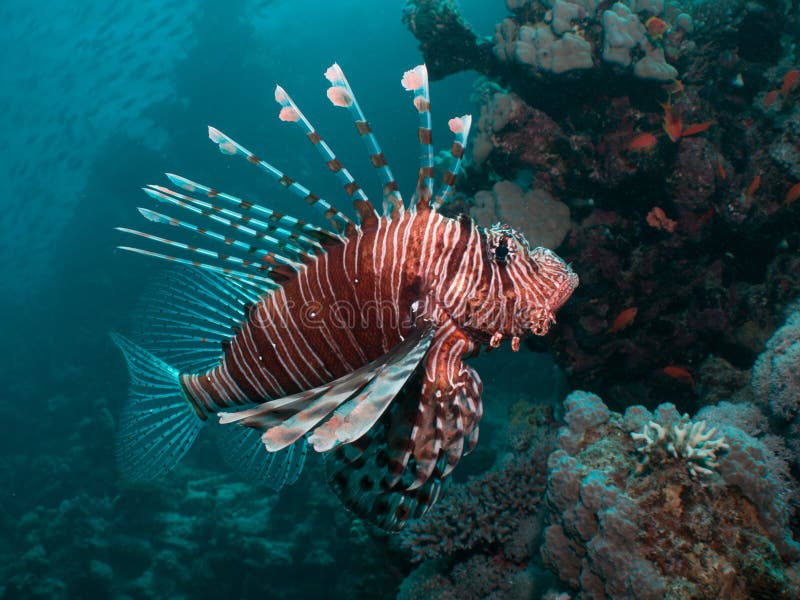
(291, 113)
(341, 94)
(416, 81)
(159, 423)
(460, 127)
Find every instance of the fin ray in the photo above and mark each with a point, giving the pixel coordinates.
(158, 424)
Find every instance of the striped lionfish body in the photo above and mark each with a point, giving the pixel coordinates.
(349, 339)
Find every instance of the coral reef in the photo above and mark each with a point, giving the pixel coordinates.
(480, 540)
(670, 132)
(776, 379)
(616, 531)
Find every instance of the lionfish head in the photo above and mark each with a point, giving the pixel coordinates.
(529, 286)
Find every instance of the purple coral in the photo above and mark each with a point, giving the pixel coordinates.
(776, 373)
(615, 533)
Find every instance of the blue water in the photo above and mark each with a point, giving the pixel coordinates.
(98, 99)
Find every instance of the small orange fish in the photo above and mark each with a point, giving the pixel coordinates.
(790, 82)
(770, 98)
(656, 28)
(754, 185)
(623, 319)
(793, 194)
(643, 141)
(673, 124)
(697, 128)
(680, 374)
(674, 87)
(721, 170)
(657, 218)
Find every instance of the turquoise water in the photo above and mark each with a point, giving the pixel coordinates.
(98, 101)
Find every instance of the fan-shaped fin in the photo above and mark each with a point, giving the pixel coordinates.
(187, 314)
(286, 420)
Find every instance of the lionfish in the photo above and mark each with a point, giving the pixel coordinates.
(349, 338)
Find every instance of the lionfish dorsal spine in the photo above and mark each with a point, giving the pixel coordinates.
(341, 94)
(240, 272)
(291, 113)
(229, 146)
(288, 254)
(416, 81)
(280, 225)
(460, 127)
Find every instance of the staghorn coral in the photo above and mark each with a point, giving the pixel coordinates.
(661, 533)
(686, 440)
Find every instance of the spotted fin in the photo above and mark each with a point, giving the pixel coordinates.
(340, 411)
(360, 473)
(379, 476)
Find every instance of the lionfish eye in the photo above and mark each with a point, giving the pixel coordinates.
(501, 252)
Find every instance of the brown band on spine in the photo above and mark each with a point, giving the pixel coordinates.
(425, 135)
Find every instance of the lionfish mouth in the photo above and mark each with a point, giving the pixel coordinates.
(546, 316)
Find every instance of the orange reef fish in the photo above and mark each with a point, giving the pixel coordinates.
(623, 319)
(721, 170)
(753, 187)
(680, 374)
(657, 218)
(348, 338)
(770, 98)
(643, 141)
(656, 28)
(673, 125)
(696, 128)
(790, 81)
(674, 87)
(793, 194)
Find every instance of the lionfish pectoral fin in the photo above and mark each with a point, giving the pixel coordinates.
(243, 449)
(159, 424)
(371, 475)
(339, 411)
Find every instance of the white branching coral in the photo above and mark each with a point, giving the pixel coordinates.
(686, 440)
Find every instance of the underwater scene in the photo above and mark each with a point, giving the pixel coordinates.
(415, 299)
